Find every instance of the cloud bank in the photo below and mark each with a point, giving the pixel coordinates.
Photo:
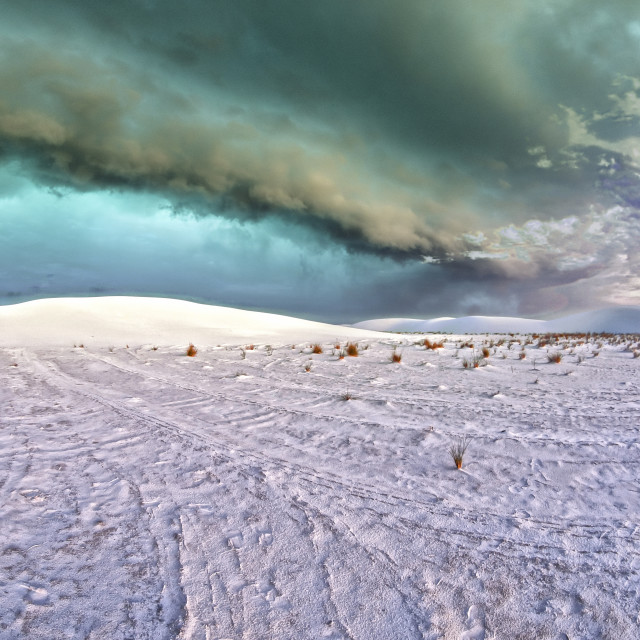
(492, 148)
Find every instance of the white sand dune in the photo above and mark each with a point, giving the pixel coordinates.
(116, 320)
(236, 494)
(612, 320)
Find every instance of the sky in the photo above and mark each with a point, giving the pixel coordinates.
(336, 160)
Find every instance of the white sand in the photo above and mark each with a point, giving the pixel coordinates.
(146, 494)
(612, 320)
(118, 320)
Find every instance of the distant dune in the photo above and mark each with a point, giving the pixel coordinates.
(113, 320)
(612, 320)
(106, 321)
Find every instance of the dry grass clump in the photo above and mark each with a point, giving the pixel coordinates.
(316, 348)
(485, 352)
(191, 350)
(457, 450)
(473, 363)
(347, 395)
(554, 356)
(307, 367)
(396, 357)
(250, 347)
(432, 345)
(352, 349)
(522, 355)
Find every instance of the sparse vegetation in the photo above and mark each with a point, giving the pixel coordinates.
(554, 356)
(307, 367)
(347, 395)
(191, 350)
(432, 345)
(473, 362)
(352, 349)
(457, 450)
(316, 348)
(396, 357)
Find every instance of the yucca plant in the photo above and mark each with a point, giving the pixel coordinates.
(457, 450)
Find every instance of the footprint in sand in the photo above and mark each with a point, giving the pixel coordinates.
(475, 622)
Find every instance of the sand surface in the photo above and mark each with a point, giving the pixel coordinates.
(234, 494)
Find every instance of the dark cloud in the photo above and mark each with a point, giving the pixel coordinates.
(397, 130)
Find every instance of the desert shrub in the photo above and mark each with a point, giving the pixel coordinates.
(457, 450)
(396, 357)
(485, 352)
(352, 349)
(554, 356)
(473, 362)
(316, 349)
(432, 345)
(191, 350)
(347, 395)
(307, 367)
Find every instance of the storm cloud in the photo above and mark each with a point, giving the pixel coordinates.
(490, 147)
